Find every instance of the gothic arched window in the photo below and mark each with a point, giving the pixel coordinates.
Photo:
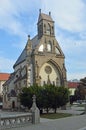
(48, 29)
(49, 47)
(44, 28)
(52, 30)
(41, 48)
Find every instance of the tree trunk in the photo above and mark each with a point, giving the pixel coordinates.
(47, 110)
(55, 110)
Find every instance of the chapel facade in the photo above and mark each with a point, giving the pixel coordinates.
(41, 62)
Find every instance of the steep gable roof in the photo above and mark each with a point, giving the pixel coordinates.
(21, 58)
(35, 41)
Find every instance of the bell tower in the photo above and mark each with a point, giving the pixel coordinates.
(45, 25)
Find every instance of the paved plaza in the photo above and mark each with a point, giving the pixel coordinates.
(76, 122)
(69, 123)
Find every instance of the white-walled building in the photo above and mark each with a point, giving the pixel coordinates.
(3, 78)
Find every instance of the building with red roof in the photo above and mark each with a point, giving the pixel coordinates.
(3, 78)
(72, 86)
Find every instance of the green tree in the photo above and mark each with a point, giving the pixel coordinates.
(52, 96)
(48, 96)
(27, 94)
(80, 92)
(26, 97)
(38, 91)
(62, 96)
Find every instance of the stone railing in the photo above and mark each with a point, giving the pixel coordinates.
(21, 119)
(15, 120)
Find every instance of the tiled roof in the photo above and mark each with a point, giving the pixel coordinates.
(10, 79)
(4, 76)
(21, 58)
(73, 84)
(35, 41)
(23, 55)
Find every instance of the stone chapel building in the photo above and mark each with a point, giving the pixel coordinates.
(41, 62)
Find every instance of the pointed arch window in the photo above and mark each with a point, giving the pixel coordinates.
(41, 48)
(48, 29)
(49, 47)
(52, 30)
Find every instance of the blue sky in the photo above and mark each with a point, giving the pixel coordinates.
(19, 18)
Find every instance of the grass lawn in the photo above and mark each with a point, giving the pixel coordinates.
(55, 115)
(81, 105)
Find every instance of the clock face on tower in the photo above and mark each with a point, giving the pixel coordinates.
(48, 69)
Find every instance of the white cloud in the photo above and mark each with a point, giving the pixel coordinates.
(12, 11)
(12, 18)
(75, 51)
(67, 14)
(6, 64)
(72, 47)
(21, 44)
(68, 43)
(83, 35)
(8, 18)
(78, 75)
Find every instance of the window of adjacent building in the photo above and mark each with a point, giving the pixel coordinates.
(57, 50)
(41, 48)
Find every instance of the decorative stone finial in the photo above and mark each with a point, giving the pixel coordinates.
(49, 13)
(40, 11)
(29, 37)
(34, 99)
